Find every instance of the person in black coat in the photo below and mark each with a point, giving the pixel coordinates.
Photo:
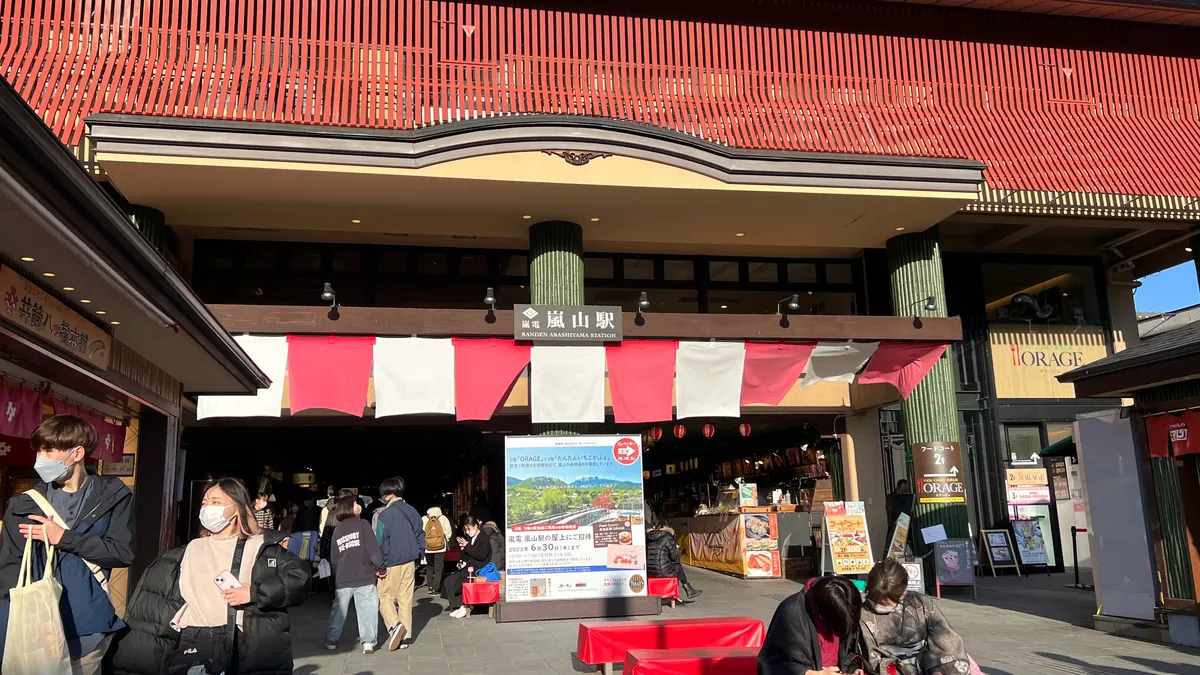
(496, 541)
(269, 580)
(476, 554)
(662, 558)
(815, 631)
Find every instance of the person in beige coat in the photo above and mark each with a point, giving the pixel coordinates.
(437, 540)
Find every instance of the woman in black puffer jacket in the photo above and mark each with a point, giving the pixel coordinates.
(662, 558)
(178, 615)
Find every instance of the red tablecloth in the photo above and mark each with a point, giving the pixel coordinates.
(481, 593)
(607, 642)
(691, 662)
(664, 588)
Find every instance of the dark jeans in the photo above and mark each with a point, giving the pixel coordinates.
(682, 577)
(452, 588)
(434, 563)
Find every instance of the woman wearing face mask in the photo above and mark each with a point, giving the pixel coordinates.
(905, 633)
(218, 604)
(476, 554)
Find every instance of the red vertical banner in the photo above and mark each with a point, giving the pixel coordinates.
(484, 374)
(641, 380)
(331, 373)
(771, 369)
(20, 410)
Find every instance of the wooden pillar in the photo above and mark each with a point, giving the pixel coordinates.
(556, 278)
(157, 464)
(931, 412)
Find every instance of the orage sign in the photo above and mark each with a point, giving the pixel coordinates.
(938, 468)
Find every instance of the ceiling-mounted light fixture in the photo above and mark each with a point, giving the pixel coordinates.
(356, 221)
(27, 259)
(489, 297)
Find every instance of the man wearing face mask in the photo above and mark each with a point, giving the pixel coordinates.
(98, 514)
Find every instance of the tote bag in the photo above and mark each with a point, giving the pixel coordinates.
(35, 642)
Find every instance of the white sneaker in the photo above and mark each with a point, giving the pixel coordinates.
(369, 648)
(459, 613)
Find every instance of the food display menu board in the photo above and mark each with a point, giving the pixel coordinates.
(761, 536)
(849, 543)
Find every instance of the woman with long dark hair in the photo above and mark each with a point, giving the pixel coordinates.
(218, 604)
(815, 631)
(476, 554)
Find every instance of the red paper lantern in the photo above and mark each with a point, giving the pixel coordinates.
(680, 431)
(656, 433)
(709, 430)
(744, 429)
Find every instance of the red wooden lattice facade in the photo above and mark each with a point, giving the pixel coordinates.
(1066, 120)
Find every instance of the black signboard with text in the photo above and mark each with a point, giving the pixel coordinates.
(938, 468)
(567, 323)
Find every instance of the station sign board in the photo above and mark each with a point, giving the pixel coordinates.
(938, 468)
(568, 323)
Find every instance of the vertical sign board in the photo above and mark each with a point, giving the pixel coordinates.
(999, 550)
(899, 536)
(952, 564)
(1031, 545)
(938, 467)
(916, 574)
(574, 522)
(849, 543)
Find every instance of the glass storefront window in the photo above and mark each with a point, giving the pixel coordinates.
(473, 264)
(1023, 442)
(1056, 431)
(393, 261)
(662, 300)
(1041, 293)
(514, 265)
(597, 268)
(765, 302)
(801, 273)
(764, 272)
(639, 268)
(262, 258)
(431, 263)
(679, 270)
(347, 260)
(839, 274)
(722, 270)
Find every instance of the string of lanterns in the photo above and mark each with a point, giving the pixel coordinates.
(709, 430)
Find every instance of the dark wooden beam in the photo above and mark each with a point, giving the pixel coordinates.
(1124, 382)
(400, 321)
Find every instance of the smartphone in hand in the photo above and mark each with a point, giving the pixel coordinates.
(226, 581)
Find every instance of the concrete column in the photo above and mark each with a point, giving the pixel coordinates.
(931, 412)
(1121, 311)
(863, 428)
(556, 277)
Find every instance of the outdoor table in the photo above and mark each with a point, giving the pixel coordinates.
(481, 593)
(666, 588)
(605, 643)
(735, 661)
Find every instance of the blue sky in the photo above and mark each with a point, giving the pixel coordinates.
(1168, 290)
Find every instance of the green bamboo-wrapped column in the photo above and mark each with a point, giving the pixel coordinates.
(556, 278)
(931, 412)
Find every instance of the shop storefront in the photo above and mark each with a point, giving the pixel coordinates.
(1142, 479)
(94, 324)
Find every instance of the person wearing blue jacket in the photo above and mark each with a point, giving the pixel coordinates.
(98, 511)
(402, 540)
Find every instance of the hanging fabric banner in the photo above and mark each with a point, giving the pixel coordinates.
(771, 369)
(20, 410)
(270, 354)
(1173, 431)
(484, 373)
(16, 451)
(414, 376)
(902, 364)
(837, 362)
(641, 380)
(110, 438)
(331, 373)
(566, 384)
(708, 379)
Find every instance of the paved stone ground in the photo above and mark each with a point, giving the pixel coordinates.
(1017, 627)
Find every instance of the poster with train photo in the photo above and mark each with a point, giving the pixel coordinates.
(574, 521)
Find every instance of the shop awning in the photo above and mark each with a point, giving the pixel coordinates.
(79, 246)
(1062, 448)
